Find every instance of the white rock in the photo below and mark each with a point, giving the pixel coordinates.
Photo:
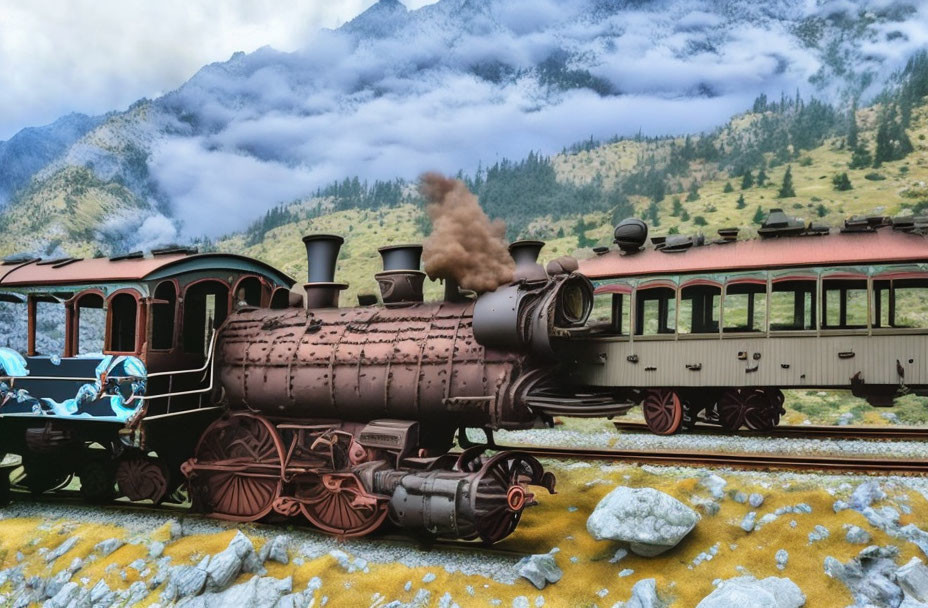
(644, 595)
(747, 591)
(866, 494)
(857, 535)
(782, 558)
(715, 485)
(755, 500)
(226, 565)
(275, 550)
(106, 547)
(61, 549)
(540, 569)
(620, 554)
(747, 524)
(650, 521)
(913, 579)
(818, 533)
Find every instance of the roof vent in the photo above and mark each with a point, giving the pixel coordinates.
(779, 224)
(728, 235)
(600, 250)
(174, 249)
(676, 243)
(19, 258)
(631, 234)
(132, 255)
(53, 261)
(860, 223)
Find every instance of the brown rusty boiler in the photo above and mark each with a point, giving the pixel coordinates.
(346, 415)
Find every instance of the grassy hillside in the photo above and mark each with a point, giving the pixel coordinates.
(896, 187)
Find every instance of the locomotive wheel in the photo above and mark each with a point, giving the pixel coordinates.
(501, 495)
(338, 503)
(241, 458)
(663, 411)
(97, 482)
(763, 413)
(142, 478)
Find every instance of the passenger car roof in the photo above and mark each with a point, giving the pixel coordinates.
(884, 246)
(104, 270)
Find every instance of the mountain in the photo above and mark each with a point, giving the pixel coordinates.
(447, 86)
(24, 154)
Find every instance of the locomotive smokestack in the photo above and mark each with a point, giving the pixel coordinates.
(321, 254)
(401, 280)
(525, 253)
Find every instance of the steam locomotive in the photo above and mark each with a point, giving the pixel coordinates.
(292, 405)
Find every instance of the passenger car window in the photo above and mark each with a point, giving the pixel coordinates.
(655, 311)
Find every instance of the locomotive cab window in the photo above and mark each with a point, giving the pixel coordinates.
(655, 311)
(900, 303)
(699, 309)
(792, 305)
(844, 304)
(610, 313)
(248, 292)
(123, 312)
(745, 308)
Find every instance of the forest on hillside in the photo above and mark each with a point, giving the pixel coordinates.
(519, 191)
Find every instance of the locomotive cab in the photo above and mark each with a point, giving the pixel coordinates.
(105, 371)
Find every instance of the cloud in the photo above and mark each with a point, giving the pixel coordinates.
(93, 56)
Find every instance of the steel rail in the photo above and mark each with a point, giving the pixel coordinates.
(868, 433)
(740, 460)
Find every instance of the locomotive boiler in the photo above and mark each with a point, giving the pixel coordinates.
(346, 415)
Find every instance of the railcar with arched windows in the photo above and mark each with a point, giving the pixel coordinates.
(105, 363)
(715, 331)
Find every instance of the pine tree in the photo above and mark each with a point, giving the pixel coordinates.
(747, 180)
(822, 210)
(852, 132)
(841, 182)
(728, 188)
(786, 188)
(759, 216)
(761, 178)
(741, 203)
(653, 214)
(693, 194)
(677, 207)
(861, 157)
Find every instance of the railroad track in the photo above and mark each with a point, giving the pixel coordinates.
(870, 433)
(882, 466)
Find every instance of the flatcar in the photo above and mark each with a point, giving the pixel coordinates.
(713, 332)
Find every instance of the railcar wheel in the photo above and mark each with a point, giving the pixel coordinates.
(743, 407)
(236, 473)
(40, 476)
(763, 413)
(142, 478)
(97, 481)
(338, 503)
(663, 411)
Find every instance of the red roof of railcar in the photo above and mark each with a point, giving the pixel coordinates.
(885, 246)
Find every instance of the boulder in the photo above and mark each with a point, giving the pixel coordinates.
(747, 524)
(870, 576)
(746, 591)
(715, 485)
(275, 550)
(650, 521)
(226, 565)
(857, 535)
(913, 579)
(755, 500)
(540, 569)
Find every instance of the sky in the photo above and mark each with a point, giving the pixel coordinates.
(93, 56)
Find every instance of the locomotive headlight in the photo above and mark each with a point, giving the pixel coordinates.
(574, 302)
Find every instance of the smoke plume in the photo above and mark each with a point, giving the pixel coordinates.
(464, 245)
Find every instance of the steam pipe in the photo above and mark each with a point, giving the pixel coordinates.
(525, 253)
(321, 255)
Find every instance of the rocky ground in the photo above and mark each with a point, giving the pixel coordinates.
(614, 535)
